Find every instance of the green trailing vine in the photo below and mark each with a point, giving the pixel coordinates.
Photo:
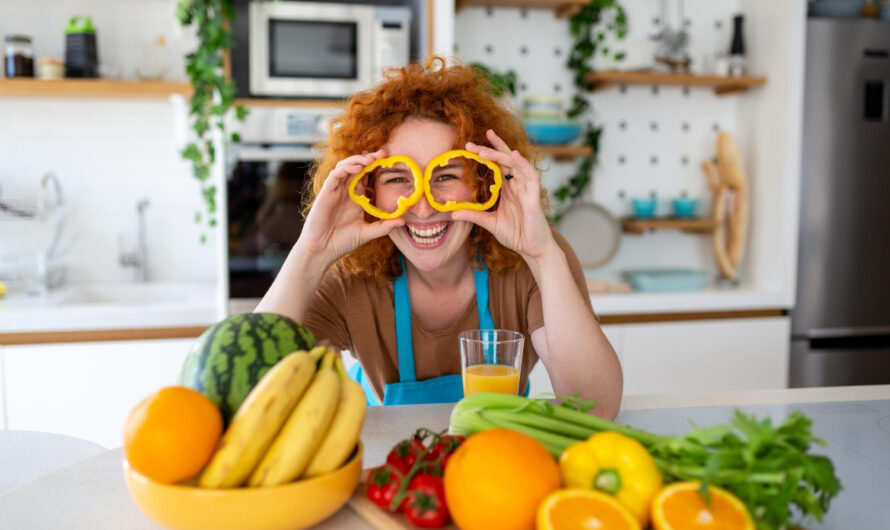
(589, 29)
(213, 95)
(500, 82)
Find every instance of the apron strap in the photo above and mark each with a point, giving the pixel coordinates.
(481, 279)
(404, 340)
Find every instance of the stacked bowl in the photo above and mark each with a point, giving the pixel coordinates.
(545, 121)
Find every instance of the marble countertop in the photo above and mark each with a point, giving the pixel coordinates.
(91, 494)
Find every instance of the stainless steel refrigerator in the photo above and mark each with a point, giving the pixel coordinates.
(841, 320)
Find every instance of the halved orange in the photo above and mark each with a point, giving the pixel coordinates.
(680, 506)
(583, 509)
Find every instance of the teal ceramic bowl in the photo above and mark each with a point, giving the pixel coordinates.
(665, 280)
(552, 132)
(644, 208)
(685, 208)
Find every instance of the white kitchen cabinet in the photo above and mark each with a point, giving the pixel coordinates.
(705, 356)
(540, 379)
(2, 393)
(86, 389)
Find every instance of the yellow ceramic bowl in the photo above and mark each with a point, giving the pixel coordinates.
(291, 506)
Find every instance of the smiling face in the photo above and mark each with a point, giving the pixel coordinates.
(429, 239)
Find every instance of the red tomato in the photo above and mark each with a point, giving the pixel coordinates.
(405, 454)
(441, 451)
(383, 484)
(426, 506)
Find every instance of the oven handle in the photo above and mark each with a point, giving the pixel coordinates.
(261, 154)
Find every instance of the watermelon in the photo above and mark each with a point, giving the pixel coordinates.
(230, 357)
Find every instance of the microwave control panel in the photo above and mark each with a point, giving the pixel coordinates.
(392, 37)
(275, 125)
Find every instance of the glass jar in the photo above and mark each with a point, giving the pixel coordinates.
(19, 56)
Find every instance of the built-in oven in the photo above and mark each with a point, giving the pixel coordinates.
(268, 174)
(323, 50)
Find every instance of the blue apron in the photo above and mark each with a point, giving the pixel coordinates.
(410, 391)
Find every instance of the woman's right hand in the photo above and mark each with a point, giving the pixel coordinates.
(336, 225)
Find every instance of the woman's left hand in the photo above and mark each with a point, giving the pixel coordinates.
(519, 222)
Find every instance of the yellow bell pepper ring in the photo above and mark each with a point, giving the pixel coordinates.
(403, 203)
(614, 464)
(450, 206)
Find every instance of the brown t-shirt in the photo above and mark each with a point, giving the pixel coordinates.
(356, 314)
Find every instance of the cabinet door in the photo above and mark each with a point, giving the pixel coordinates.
(540, 379)
(3, 424)
(705, 356)
(86, 389)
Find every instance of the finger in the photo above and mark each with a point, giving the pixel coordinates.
(493, 155)
(362, 160)
(382, 228)
(523, 167)
(487, 220)
(496, 141)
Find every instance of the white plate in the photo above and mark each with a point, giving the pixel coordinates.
(592, 231)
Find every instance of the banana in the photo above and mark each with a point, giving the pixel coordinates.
(304, 430)
(258, 420)
(340, 441)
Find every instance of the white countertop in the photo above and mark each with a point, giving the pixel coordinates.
(725, 299)
(111, 306)
(92, 495)
(133, 306)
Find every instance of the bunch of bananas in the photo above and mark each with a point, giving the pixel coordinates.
(299, 421)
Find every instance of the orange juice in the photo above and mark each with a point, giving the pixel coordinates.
(491, 378)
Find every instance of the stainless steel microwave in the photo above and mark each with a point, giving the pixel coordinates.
(310, 49)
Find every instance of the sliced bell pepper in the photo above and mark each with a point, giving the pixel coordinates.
(403, 202)
(614, 464)
(450, 206)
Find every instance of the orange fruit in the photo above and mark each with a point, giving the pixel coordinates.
(582, 509)
(171, 434)
(680, 506)
(497, 478)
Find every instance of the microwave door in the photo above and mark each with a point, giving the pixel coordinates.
(310, 50)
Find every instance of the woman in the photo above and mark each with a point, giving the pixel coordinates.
(349, 276)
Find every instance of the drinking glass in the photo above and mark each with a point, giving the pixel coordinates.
(491, 360)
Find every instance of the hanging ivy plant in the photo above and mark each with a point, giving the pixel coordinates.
(213, 95)
(589, 29)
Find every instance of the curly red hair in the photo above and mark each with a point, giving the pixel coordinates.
(455, 95)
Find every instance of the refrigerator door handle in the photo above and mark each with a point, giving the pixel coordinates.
(836, 333)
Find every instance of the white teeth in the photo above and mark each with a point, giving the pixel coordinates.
(428, 236)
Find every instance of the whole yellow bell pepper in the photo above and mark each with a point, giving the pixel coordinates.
(614, 464)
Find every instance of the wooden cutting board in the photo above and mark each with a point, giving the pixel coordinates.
(376, 517)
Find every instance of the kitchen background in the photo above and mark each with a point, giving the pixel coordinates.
(118, 146)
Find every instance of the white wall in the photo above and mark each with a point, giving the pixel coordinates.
(676, 127)
(108, 154)
(123, 27)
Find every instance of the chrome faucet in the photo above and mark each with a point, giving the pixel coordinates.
(138, 259)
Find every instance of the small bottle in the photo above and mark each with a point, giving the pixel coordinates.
(19, 56)
(737, 64)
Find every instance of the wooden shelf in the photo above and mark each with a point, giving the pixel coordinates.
(634, 225)
(91, 88)
(563, 152)
(299, 103)
(563, 8)
(721, 85)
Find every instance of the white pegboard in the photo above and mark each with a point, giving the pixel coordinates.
(655, 137)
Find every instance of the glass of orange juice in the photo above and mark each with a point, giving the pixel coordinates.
(491, 360)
